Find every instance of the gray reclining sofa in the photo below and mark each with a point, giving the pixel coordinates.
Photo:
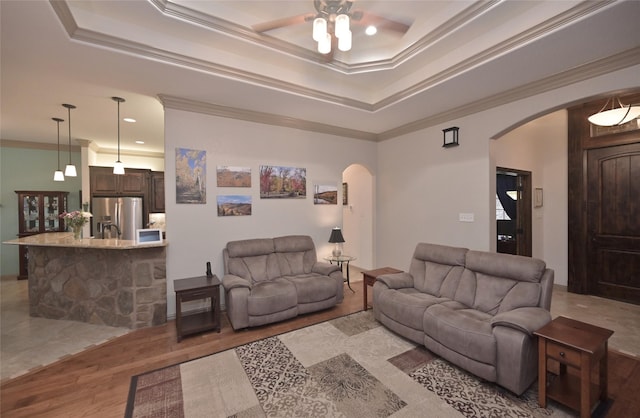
(476, 309)
(272, 279)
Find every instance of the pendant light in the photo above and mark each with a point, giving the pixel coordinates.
(58, 175)
(118, 167)
(615, 116)
(70, 170)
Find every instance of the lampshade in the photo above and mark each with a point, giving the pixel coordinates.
(319, 29)
(70, 169)
(336, 235)
(324, 44)
(344, 41)
(616, 115)
(342, 25)
(118, 167)
(58, 175)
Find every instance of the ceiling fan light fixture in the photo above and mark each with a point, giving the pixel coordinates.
(319, 29)
(344, 41)
(342, 25)
(616, 115)
(324, 44)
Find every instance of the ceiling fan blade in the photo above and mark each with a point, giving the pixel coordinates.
(382, 23)
(280, 23)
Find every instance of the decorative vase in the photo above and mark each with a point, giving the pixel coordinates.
(77, 231)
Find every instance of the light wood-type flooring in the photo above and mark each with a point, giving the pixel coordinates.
(95, 382)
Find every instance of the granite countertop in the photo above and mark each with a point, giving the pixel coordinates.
(65, 239)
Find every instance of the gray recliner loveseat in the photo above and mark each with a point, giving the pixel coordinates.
(476, 309)
(272, 279)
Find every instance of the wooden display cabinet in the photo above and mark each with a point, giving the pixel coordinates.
(38, 212)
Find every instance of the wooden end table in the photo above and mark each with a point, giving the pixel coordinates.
(580, 346)
(369, 278)
(196, 288)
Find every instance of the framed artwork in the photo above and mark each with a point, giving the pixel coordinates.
(191, 174)
(282, 182)
(230, 176)
(234, 205)
(345, 194)
(325, 194)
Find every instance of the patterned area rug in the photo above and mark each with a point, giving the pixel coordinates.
(346, 367)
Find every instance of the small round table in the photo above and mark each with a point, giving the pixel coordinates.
(340, 260)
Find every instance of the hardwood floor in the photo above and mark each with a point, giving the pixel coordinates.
(95, 383)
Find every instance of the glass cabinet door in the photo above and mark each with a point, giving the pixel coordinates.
(51, 213)
(31, 208)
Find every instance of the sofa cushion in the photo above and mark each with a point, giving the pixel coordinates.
(509, 266)
(436, 269)
(465, 331)
(296, 254)
(271, 296)
(313, 287)
(405, 306)
(250, 247)
(256, 268)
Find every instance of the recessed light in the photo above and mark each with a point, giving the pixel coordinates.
(371, 30)
(139, 142)
(130, 120)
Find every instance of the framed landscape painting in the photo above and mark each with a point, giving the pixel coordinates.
(230, 176)
(191, 174)
(282, 182)
(325, 194)
(234, 205)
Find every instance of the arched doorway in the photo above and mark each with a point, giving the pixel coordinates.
(358, 215)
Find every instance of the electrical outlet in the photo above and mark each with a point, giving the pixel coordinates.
(466, 217)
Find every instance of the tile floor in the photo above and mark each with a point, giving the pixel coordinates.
(28, 343)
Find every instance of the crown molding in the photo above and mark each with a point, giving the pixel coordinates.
(10, 143)
(179, 103)
(597, 68)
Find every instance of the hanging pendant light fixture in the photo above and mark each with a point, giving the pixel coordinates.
(615, 115)
(70, 169)
(118, 167)
(58, 175)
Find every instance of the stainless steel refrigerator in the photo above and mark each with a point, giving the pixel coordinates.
(116, 214)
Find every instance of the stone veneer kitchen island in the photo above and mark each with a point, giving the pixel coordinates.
(100, 281)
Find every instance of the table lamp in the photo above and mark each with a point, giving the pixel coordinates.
(336, 238)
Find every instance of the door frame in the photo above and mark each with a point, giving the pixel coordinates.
(525, 212)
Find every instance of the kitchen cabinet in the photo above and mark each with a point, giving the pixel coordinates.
(38, 212)
(104, 183)
(156, 197)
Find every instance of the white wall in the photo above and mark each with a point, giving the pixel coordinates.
(540, 146)
(357, 216)
(422, 187)
(194, 231)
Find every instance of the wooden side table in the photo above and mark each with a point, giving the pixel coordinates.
(340, 260)
(369, 278)
(580, 346)
(196, 288)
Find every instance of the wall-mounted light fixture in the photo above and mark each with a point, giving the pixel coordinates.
(58, 175)
(70, 169)
(118, 167)
(450, 137)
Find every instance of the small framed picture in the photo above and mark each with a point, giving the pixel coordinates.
(345, 194)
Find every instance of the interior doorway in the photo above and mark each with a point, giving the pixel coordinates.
(513, 211)
(358, 216)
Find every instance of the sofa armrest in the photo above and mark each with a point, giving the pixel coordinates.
(230, 281)
(526, 320)
(396, 280)
(324, 268)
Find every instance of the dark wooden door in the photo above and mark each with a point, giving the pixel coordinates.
(613, 221)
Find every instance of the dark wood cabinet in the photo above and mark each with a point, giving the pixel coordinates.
(104, 183)
(38, 212)
(156, 197)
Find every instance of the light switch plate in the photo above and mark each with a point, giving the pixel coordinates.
(466, 217)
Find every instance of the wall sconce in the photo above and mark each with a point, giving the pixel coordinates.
(450, 137)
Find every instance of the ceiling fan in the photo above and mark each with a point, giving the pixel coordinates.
(331, 12)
